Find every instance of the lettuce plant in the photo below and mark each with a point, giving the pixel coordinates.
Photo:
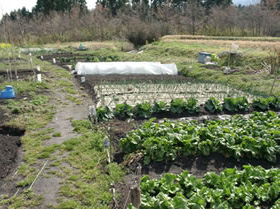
(123, 111)
(177, 105)
(233, 105)
(143, 110)
(213, 105)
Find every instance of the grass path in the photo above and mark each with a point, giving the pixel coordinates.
(48, 186)
(76, 172)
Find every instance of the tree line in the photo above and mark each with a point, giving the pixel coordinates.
(138, 21)
(47, 6)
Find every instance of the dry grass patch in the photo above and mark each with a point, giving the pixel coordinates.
(245, 44)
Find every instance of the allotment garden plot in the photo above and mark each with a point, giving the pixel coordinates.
(241, 152)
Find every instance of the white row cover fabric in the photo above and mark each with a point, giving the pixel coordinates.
(125, 68)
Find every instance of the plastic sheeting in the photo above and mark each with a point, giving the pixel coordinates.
(125, 68)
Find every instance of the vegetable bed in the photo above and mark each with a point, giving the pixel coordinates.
(182, 108)
(256, 137)
(134, 92)
(251, 188)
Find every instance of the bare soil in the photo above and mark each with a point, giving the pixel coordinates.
(96, 79)
(23, 74)
(13, 61)
(9, 145)
(59, 56)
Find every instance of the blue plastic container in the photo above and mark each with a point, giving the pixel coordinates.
(8, 93)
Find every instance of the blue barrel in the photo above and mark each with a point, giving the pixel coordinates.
(8, 93)
(202, 56)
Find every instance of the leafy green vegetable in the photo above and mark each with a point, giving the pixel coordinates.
(213, 105)
(123, 111)
(104, 114)
(192, 106)
(160, 107)
(143, 110)
(251, 188)
(255, 137)
(261, 104)
(177, 106)
(158, 149)
(274, 103)
(236, 104)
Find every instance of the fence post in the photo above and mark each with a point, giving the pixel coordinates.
(135, 196)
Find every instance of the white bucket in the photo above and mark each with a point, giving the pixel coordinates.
(39, 78)
(83, 79)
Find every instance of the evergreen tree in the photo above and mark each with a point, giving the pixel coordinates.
(46, 6)
(208, 4)
(113, 5)
(20, 13)
(157, 3)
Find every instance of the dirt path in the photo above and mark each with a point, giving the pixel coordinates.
(48, 185)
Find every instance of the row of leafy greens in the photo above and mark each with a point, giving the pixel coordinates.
(178, 106)
(251, 188)
(256, 136)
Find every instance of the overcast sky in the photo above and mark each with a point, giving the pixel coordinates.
(9, 5)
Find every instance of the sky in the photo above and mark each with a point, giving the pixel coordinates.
(6, 6)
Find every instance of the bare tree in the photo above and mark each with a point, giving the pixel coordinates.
(195, 15)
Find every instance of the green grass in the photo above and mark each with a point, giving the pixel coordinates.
(255, 84)
(185, 56)
(69, 204)
(88, 184)
(57, 134)
(27, 200)
(26, 86)
(74, 99)
(81, 126)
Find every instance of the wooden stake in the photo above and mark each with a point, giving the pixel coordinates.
(135, 196)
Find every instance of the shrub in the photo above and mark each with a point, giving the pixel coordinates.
(143, 33)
